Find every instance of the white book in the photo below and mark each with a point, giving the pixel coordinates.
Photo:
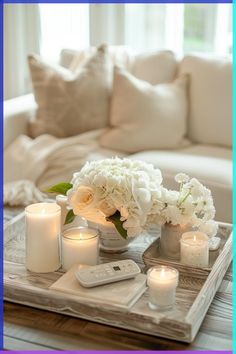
(123, 294)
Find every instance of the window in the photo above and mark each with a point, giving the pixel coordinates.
(182, 28)
(208, 28)
(63, 26)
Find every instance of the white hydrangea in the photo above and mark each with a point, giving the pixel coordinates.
(106, 186)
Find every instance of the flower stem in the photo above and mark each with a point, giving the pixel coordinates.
(184, 198)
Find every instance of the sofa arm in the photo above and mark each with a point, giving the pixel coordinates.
(17, 112)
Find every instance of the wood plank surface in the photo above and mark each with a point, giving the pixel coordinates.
(27, 328)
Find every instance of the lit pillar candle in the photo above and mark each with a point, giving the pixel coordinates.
(194, 249)
(162, 282)
(43, 222)
(79, 246)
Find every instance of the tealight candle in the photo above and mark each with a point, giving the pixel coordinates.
(194, 249)
(162, 282)
(79, 246)
(42, 237)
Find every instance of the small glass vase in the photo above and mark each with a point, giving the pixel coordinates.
(170, 240)
(110, 239)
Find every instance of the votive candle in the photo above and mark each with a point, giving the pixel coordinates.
(79, 246)
(194, 249)
(162, 282)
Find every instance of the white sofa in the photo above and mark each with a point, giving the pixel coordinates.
(209, 156)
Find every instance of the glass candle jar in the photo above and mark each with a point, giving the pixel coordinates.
(194, 249)
(80, 245)
(162, 282)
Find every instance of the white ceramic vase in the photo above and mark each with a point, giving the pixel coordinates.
(110, 239)
(170, 240)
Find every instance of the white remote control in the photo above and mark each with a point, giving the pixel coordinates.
(107, 273)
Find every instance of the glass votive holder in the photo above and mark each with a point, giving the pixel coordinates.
(194, 249)
(80, 245)
(162, 282)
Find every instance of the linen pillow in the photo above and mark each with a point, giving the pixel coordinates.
(71, 103)
(145, 117)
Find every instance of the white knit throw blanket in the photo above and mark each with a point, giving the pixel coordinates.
(32, 165)
(23, 192)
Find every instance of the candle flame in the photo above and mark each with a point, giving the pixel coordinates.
(43, 211)
(194, 238)
(162, 275)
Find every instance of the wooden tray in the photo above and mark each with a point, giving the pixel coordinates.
(194, 295)
(153, 255)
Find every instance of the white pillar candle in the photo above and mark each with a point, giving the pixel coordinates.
(79, 246)
(194, 249)
(43, 222)
(162, 282)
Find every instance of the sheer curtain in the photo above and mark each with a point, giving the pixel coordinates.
(21, 36)
(144, 27)
(182, 28)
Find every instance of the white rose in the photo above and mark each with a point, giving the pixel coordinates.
(80, 198)
(106, 208)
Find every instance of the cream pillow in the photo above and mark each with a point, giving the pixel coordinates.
(145, 117)
(71, 103)
(210, 96)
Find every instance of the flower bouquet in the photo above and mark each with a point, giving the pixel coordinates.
(119, 191)
(129, 196)
(191, 207)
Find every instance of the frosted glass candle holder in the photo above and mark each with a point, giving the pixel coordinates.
(162, 282)
(80, 245)
(194, 249)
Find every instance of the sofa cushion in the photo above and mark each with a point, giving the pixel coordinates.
(144, 116)
(119, 55)
(71, 103)
(210, 116)
(211, 165)
(156, 68)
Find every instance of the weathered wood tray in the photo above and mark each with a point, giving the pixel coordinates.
(193, 298)
(153, 255)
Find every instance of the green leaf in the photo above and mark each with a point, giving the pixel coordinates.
(70, 216)
(115, 219)
(60, 188)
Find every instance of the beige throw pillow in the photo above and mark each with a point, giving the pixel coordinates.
(71, 103)
(145, 117)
